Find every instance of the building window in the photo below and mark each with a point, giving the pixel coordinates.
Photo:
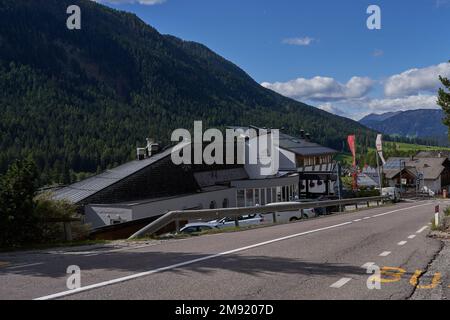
(240, 198)
(225, 203)
(269, 195)
(257, 198)
(263, 196)
(249, 198)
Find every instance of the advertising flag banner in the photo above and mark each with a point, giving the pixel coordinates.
(351, 143)
(379, 145)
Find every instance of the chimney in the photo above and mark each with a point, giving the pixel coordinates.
(141, 153)
(302, 134)
(152, 147)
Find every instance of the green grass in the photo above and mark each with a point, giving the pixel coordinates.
(391, 149)
(413, 147)
(344, 158)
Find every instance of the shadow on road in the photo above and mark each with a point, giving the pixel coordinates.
(134, 262)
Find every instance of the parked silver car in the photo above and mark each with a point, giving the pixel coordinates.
(244, 221)
(191, 228)
(291, 215)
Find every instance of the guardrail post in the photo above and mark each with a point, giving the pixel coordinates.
(177, 225)
(356, 205)
(274, 217)
(368, 204)
(236, 222)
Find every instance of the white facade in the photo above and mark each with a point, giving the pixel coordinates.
(99, 215)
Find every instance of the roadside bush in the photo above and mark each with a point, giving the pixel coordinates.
(365, 192)
(447, 212)
(18, 187)
(48, 211)
(24, 216)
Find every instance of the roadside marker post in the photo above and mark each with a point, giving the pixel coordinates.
(436, 216)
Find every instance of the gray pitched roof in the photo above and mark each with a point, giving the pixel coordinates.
(297, 145)
(82, 190)
(431, 168)
(302, 146)
(366, 180)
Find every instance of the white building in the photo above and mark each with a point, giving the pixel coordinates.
(153, 185)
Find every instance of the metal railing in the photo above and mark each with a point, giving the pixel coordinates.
(215, 214)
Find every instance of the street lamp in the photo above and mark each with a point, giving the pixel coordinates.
(402, 166)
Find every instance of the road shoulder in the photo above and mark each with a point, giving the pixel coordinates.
(434, 284)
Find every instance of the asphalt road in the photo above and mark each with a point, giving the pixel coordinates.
(323, 258)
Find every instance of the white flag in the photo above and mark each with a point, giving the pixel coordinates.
(379, 145)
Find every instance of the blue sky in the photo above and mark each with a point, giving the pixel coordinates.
(320, 52)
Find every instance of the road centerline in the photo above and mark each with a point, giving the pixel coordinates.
(422, 229)
(339, 284)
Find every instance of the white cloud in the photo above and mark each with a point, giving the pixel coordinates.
(442, 3)
(416, 81)
(378, 53)
(322, 88)
(304, 41)
(328, 107)
(144, 2)
(358, 108)
(410, 90)
(404, 103)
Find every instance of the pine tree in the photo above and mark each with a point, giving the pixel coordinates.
(444, 100)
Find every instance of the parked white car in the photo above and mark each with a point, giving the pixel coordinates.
(428, 191)
(289, 216)
(244, 221)
(393, 193)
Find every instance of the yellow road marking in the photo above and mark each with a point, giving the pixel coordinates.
(393, 274)
(434, 282)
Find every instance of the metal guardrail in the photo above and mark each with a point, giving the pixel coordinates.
(213, 214)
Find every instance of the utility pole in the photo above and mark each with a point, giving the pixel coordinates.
(380, 182)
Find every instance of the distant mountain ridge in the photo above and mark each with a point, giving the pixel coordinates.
(421, 123)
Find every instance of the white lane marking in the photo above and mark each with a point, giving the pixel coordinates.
(24, 265)
(422, 229)
(393, 211)
(402, 243)
(366, 218)
(340, 283)
(143, 274)
(357, 220)
(385, 254)
(367, 265)
(412, 236)
(182, 264)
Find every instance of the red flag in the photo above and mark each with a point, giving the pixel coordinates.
(351, 143)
